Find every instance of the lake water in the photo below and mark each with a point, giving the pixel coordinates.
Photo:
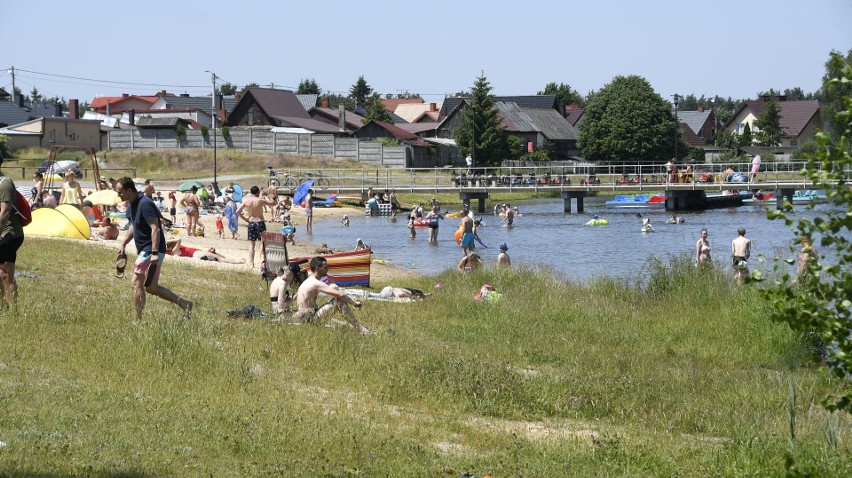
(545, 234)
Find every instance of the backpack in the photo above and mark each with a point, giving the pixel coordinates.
(22, 208)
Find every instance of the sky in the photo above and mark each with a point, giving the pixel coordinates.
(734, 49)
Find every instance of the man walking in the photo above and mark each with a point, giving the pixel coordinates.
(256, 222)
(11, 239)
(467, 242)
(146, 231)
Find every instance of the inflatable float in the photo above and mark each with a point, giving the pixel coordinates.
(597, 222)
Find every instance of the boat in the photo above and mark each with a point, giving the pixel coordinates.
(809, 196)
(760, 198)
(628, 201)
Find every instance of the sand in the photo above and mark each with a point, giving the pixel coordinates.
(238, 248)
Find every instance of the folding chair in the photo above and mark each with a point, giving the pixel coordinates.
(274, 255)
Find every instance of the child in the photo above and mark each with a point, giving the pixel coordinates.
(220, 226)
(411, 226)
(503, 259)
(345, 220)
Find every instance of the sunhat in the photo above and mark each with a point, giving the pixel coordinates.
(504, 247)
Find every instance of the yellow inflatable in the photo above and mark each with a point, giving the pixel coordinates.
(63, 221)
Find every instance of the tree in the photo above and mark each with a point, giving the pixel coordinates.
(745, 139)
(308, 87)
(4, 148)
(376, 110)
(360, 91)
(565, 95)
(35, 96)
(250, 85)
(628, 121)
(832, 93)
(227, 89)
(769, 122)
(481, 130)
(515, 147)
(819, 303)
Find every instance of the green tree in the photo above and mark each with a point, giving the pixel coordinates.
(250, 85)
(308, 86)
(481, 131)
(515, 147)
(769, 122)
(227, 89)
(628, 121)
(35, 96)
(376, 110)
(360, 91)
(832, 93)
(819, 303)
(565, 95)
(4, 148)
(745, 139)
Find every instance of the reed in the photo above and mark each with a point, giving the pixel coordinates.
(675, 373)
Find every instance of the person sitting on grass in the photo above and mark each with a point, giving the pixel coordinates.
(108, 230)
(279, 291)
(469, 262)
(306, 298)
(174, 247)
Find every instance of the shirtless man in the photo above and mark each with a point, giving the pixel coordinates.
(193, 205)
(467, 242)
(306, 298)
(279, 291)
(740, 252)
(256, 223)
(108, 230)
(272, 193)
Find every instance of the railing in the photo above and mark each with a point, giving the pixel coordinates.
(550, 178)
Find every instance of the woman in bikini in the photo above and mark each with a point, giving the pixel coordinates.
(469, 262)
(175, 248)
(702, 249)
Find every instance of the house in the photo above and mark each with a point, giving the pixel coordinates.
(418, 112)
(275, 108)
(418, 154)
(573, 113)
(19, 111)
(352, 121)
(196, 108)
(109, 105)
(49, 131)
(701, 124)
(799, 119)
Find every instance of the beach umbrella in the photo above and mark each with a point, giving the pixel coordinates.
(104, 197)
(302, 191)
(187, 185)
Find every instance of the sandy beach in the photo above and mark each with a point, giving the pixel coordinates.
(238, 248)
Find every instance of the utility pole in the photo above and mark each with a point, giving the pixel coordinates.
(677, 99)
(215, 140)
(12, 72)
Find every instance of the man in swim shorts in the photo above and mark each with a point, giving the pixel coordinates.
(256, 222)
(740, 252)
(306, 298)
(467, 240)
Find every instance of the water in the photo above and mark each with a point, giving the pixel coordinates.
(543, 234)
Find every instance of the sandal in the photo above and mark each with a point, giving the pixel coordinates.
(120, 265)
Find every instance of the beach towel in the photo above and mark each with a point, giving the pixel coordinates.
(230, 213)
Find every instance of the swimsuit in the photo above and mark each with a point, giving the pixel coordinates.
(467, 240)
(738, 259)
(255, 229)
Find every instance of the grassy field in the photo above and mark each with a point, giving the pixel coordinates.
(682, 376)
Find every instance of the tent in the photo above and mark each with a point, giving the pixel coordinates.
(63, 221)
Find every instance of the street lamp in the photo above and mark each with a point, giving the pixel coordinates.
(677, 99)
(213, 120)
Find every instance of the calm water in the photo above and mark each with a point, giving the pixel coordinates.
(545, 234)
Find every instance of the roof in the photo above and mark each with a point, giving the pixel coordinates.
(159, 122)
(795, 115)
(100, 102)
(203, 103)
(11, 114)
(527, 101)
(306, 123)
(417, 128)
(277, 103)
(353, 120)
(695, 120)
(308, 100)
(544, 120)
(573, 115)
(398, 133)
(392, 104)
(689, 135)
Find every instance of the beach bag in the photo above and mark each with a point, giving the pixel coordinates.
(22, 209)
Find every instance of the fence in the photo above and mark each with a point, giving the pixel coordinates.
(326, 145)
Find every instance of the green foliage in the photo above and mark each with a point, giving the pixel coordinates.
(832, 93)
(515, 147)
(360, 91)
(820, 301)
(745, 139)
(769, 122)
(628, 122)
(180, 131)
(806, 151)
(565, 95)
(308, 86)
(537, 155)
(226, 133)
(376, 110)
(227, 89)
(4, 146)
(480, 130)
(205, 130)
(389, 141)
(250, 85)
(696, 154)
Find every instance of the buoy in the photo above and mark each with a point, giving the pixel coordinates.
(459, 236)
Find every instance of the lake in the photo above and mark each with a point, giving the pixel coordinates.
(545, 234)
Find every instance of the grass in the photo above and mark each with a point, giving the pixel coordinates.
(677, 374)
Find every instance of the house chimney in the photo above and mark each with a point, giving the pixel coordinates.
(57, 110)
(433, 106)
(325, 102)
(108, 108)
(220, 109)
(184, 95)
(132, 119)
(125, 95)
(74, 108)
(700, 109)
(19, 100)
(341, 111)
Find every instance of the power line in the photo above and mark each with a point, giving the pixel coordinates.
(109, 81)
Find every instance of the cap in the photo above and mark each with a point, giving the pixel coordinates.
(504, 247)
(103, 178)
(595, 216)
(345, 216)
